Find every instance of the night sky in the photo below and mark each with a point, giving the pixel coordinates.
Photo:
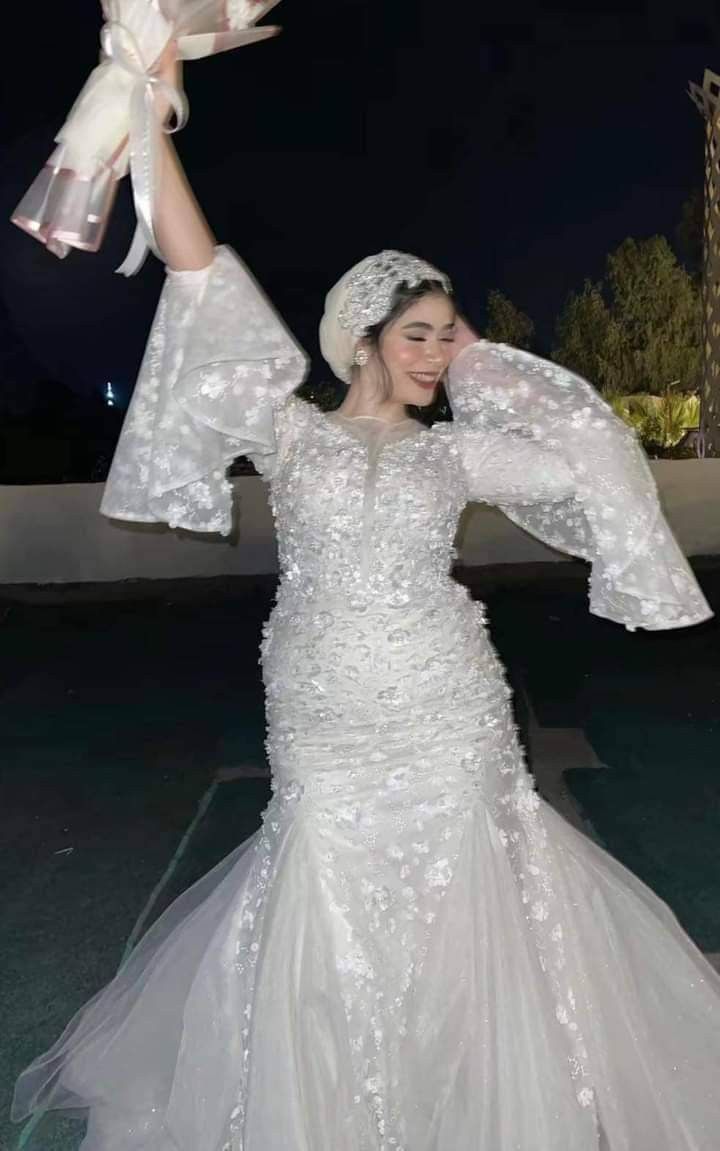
(513, 145)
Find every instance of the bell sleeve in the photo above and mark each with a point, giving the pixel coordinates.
(562, 466)
(218, 365)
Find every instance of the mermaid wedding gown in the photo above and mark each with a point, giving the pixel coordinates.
(414, 952)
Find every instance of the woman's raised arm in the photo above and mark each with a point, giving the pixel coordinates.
(182, 232)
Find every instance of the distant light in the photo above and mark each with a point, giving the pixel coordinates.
(109, 395)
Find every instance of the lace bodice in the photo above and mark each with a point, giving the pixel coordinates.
(368, 510)
(371, 510)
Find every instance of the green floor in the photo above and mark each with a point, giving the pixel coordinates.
(122, 702)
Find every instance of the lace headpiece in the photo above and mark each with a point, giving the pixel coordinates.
(363, 297)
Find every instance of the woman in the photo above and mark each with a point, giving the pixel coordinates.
(414, 952)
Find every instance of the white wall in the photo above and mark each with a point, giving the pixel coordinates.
(55, 533)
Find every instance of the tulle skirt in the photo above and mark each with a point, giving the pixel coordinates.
(228, 1026)
(414, 952)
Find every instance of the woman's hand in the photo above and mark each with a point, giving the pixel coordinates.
(464, 335)
(168, 68)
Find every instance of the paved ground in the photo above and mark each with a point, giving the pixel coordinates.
(132, 740)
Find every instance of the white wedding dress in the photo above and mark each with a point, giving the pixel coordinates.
(414, 952)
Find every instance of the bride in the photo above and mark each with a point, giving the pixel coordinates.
(414, 952)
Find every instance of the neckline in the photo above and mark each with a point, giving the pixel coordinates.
(343, 425)
(378, 419)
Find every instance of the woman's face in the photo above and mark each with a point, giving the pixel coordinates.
(417, 348)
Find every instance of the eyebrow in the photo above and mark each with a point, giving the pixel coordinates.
(428, 327)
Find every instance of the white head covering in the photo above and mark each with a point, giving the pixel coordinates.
(363, 297)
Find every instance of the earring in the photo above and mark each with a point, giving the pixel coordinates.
(361, 357)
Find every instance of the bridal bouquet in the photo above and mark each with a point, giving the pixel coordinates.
(113, 126)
